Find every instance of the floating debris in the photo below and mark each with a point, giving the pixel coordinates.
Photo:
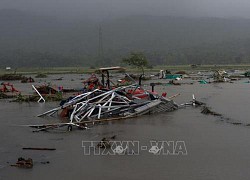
(27, 98)
(35, 98)
(172, 76)
(203, 82)
(247, 74)
(41, 75)
(47, 89)
(6, 96)
(11, 77)
(8, 87)
(234, 79)
(39, 149)
(104, 143)
(181, 72)
(23, 163)
(172, 82)
(92, 82)
(45, 162)
(59, 79)
(27, 80)
(236, 123)
(161, 74)
(206, 110)
(194, 103)
(220, 76)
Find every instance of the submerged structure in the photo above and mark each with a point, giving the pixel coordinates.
(119, 103)
(220, 76)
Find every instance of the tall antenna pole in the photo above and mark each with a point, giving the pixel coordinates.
(100, 48)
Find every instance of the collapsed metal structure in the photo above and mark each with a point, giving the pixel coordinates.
(119, 103)
(220, 76)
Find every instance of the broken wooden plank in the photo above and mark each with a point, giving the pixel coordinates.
(39, 149)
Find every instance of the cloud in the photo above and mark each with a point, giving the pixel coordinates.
(116, 8)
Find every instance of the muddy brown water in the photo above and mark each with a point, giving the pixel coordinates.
(216, 149)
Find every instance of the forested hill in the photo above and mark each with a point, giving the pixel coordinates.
(28, 39)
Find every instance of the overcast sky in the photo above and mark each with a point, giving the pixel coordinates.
(116, 8)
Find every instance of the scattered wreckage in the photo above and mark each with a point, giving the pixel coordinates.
(23, 163)
(247, 74)
(11, 77)
(102, 102)
(7, 90)
(8, 87)
(101, 105)
(220, 76)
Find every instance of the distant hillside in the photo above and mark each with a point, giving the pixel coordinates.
(28, 39)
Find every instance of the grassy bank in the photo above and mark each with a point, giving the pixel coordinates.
(84, 70)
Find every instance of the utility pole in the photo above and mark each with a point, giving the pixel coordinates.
(100, 48)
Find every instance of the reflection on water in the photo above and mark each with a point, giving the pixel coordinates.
(216, 149)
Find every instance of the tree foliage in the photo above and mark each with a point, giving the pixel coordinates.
(41, 41)
(137, 60)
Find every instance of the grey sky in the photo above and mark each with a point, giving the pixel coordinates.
(115, 8)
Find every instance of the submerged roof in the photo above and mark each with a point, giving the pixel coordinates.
(112, 68)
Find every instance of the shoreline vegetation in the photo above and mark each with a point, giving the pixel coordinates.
(86, 70)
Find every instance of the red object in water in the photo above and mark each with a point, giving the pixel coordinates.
(164, 94)
(13, 89)
(91, 86)
(140, 93)
(5, 89)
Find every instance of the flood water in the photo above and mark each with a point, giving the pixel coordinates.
(216, 148)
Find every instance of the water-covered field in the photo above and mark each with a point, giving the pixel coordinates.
(216, 147)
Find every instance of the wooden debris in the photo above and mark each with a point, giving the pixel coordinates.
(174, 96)
(206, 110)
(174, 83)
(23, 163)
(45, 162)
(106, 142)
(27, 80)
(39, 149)
(236, 123)
(40, 75)
(11, 77)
